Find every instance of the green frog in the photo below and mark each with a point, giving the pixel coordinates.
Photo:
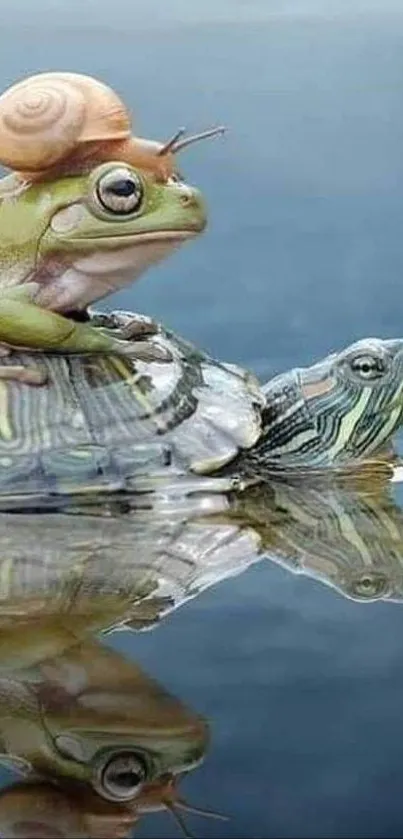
(68, 242)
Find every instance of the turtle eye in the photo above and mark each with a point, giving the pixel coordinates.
(368, 367)
(120, 191)
(369, 586)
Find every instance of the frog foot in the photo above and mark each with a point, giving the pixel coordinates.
(131, 326)
(27, 375)
(146, 351)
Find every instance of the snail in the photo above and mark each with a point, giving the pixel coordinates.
(60, 122)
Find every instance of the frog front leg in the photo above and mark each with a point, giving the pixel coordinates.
(26, 326)
(10, 336)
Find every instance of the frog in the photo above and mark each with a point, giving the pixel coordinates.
(70, 241)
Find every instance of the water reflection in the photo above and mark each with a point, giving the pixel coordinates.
(76, 713)
(95, 742)
(133, 567)
(348, 537)
(125, 568)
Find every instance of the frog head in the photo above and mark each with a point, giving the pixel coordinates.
(83, 237)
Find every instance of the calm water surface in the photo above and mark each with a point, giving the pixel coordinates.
(302, 688)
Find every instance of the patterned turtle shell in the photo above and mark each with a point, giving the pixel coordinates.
(118, 424)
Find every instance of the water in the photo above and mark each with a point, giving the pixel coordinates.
(301, 687)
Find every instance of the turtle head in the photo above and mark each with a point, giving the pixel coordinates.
(344, 408)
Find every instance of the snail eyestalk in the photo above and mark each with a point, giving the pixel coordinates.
(176, 144)
(170, 144)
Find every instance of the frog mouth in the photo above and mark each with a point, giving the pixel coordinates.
(77, 281)
(167, 234)
(136, 238)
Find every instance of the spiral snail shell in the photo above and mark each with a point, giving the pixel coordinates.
(61, 121)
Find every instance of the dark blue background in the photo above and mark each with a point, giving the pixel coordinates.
(303, 689)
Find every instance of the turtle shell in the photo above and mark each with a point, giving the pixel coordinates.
(103, 423)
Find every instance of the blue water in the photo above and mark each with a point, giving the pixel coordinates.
(304, 253)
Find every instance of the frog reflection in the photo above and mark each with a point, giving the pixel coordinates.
(42, 810)
(76, 713)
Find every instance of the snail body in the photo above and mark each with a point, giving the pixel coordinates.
(61, 121)
(55, 123)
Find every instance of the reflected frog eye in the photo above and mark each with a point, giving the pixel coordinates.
(122, 777)
(368, 367)
(120, 191)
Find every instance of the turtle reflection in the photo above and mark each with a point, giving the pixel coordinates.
(76, 713)
(348, 537)
(92, 573)
(134, 567)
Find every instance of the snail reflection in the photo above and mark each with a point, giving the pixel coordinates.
(98, 743)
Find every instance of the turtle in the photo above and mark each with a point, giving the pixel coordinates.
(176, 420)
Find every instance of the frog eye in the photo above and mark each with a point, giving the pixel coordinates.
(120, 191)
(122, 777)
(369, 367)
